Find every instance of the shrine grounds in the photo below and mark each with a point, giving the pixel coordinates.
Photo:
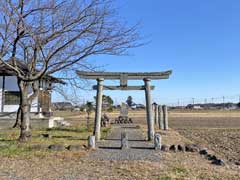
(218, 131)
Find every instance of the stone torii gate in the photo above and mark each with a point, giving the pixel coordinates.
(123, 77)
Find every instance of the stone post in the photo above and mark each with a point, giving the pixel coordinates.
(156, 114)
(160, 117)
(97, 125)
(165, 117)
(91, 142)
(124, 140)
(149, 109)
(157, 141)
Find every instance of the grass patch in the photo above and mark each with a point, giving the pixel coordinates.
(104, 132)
(180, 170)
(74, 135)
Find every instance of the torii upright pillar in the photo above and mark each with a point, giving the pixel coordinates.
(97, 125)
(150, 122)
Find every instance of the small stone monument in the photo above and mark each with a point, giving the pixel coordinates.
(124, 110)
(124, 140)
(123, 117)
(91, 142)
(157, 141)
(105, 120)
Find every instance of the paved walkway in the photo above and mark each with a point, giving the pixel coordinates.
(139, 148)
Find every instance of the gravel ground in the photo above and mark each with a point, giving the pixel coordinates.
(139, 149)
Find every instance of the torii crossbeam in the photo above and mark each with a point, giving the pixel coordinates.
(124, 77)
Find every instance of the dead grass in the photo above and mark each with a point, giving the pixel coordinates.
(21, 163)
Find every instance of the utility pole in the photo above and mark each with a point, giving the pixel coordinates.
(212, 100)
(205, 101)
(178, 103)
(193, 100)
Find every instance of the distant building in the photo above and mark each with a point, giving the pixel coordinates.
(228, 106)
(62, 106)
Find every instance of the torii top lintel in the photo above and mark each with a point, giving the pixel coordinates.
(126, 75)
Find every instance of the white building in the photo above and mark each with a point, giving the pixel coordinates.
(10, 95)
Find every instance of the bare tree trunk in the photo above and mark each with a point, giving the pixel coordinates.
(25, 132)
(25, 107)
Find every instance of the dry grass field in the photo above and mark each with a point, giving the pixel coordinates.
(219, 131)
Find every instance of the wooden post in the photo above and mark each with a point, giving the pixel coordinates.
(160, 117)
(97, 127)
(149, 109)
(165, 117)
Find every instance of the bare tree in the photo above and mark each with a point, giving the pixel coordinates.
(43, 37)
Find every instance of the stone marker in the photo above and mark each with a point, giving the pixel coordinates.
(91, 142)
(165, 117)
(203, 151)
(157, 141)
(57, 147)
(191, 148)
(160, 117)
(211, 157)
(218, 162)
(173, 148)
(124, 140)
(181, 148)
(51, 122)
(165, 148)
(155, 113)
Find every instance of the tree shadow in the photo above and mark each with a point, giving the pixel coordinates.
(7, 140)
(131, 147)
(131, 140)
(70, 138)
(69, 130)
(108, 147)
(149, 148)
(130, 127)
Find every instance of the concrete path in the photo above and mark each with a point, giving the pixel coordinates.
(139, 148)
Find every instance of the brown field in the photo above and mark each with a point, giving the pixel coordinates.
(219, 132)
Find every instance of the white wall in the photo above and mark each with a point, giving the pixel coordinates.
(11, 85)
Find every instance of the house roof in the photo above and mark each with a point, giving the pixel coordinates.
(7, 71)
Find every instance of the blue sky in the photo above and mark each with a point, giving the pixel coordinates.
(198, 40)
